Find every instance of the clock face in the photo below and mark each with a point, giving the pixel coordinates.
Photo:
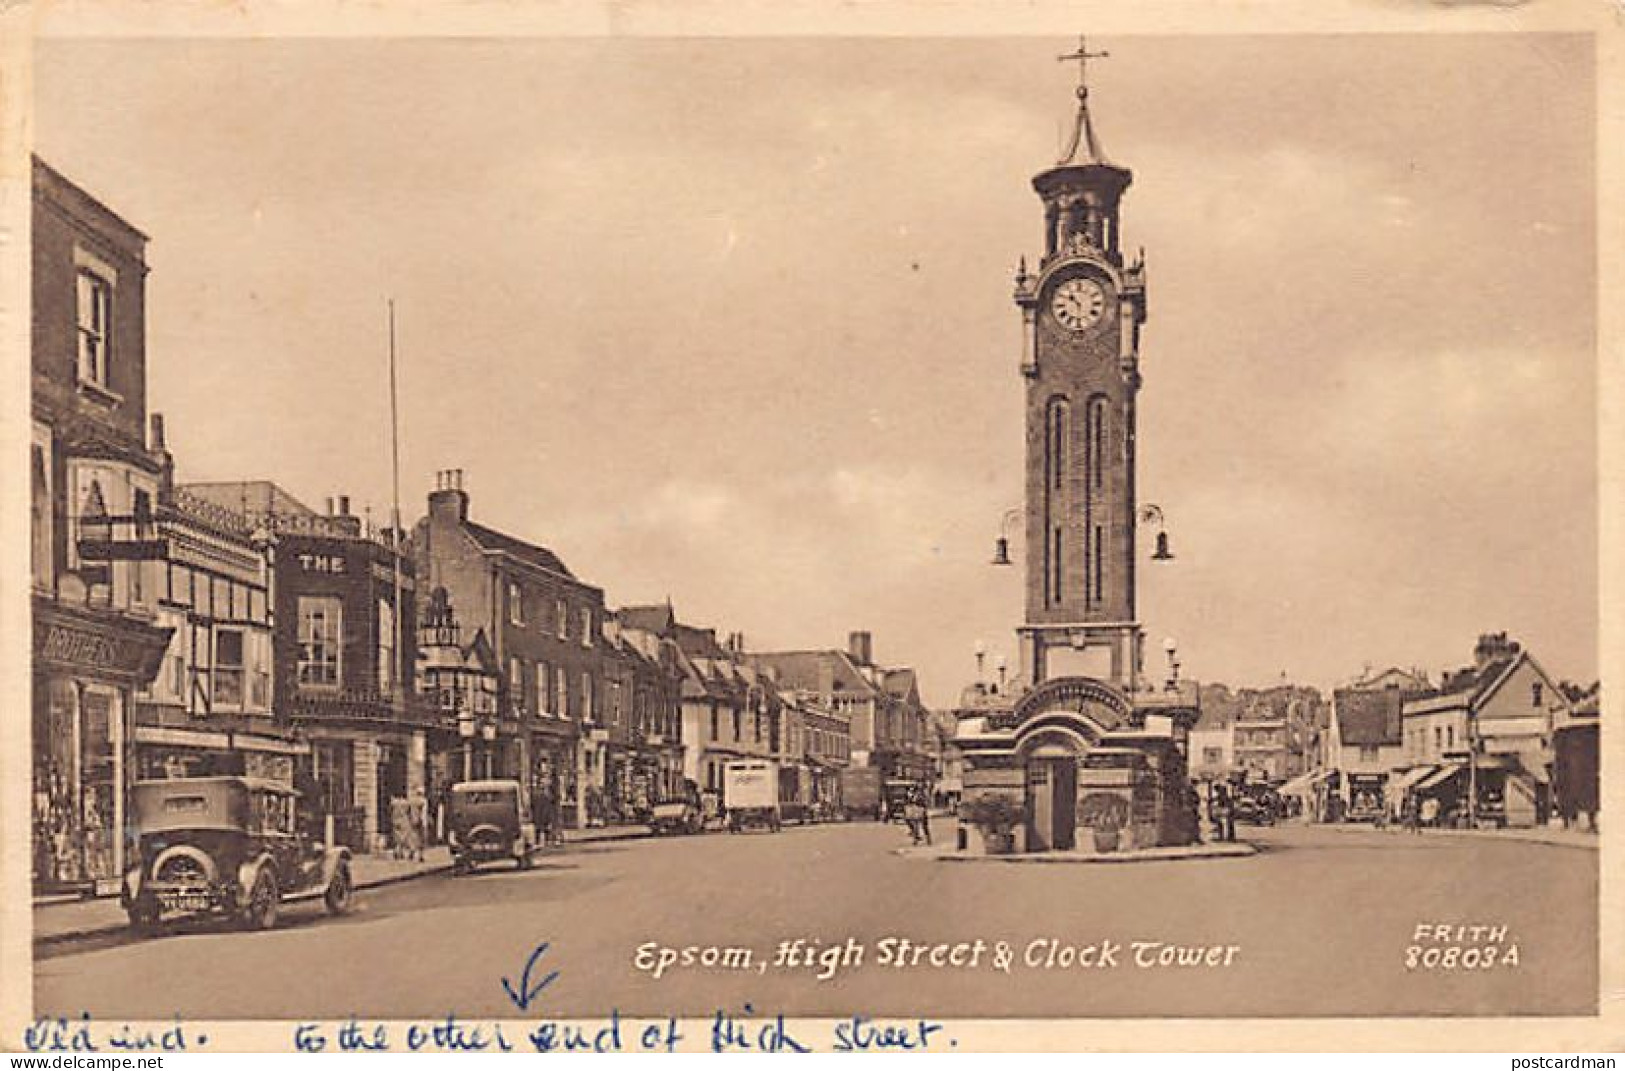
(1078, 304)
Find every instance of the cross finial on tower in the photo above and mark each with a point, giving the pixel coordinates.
(1083, 56)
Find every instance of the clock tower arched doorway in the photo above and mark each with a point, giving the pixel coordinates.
(1052, 799)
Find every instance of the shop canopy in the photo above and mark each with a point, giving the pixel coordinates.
(1408, 780)
(1304, 784)
(1439, 777)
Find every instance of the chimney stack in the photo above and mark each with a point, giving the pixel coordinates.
(860, 646)
(448, 501)
(344, 505)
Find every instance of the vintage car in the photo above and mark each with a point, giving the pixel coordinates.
(227, 846)
(1257, 805)
(680, 815)
(487, 820)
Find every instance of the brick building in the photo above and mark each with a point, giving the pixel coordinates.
(93, 489)
(887, 724)
(343, 657)
(544, 627)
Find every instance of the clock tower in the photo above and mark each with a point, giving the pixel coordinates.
(1081, 318)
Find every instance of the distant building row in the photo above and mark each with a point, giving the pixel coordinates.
(1499, 741)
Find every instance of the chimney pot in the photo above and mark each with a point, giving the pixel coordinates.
(158, 432)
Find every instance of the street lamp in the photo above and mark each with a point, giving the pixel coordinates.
(1146, 514)
(1001, 547)
(1153, 512)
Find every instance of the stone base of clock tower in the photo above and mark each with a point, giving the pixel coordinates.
(1076, 764)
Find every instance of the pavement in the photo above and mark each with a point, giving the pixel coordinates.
(945, 854)
(58, 919)
(1556, 836)
(1320, 922)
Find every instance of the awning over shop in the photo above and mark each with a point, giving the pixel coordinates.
(1304, 784)
(219, 741)
(1439, 777)
(1407, 780)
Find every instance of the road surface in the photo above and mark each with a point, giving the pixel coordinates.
(1318, 924)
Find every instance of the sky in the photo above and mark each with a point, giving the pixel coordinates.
(729, 321)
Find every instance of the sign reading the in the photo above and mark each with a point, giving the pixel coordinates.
(332, 564)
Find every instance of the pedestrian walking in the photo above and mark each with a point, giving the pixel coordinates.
(399, 826)
(417, 823)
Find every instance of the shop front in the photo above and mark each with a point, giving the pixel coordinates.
(87, 666)
(1367, 796)
(553, 772)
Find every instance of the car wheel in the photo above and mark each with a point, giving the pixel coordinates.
(340, 895)
(264, 902)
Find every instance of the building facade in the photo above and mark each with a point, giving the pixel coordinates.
(544, 628)
(344, 651)
(1479, 747)
(1365, 742)
(211, 709)
(94, 489)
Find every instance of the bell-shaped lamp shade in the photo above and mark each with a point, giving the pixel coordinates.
(1001, 551)
(1163, 554)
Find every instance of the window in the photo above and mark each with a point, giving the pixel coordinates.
(561, 687)
(586, 697)
(737, 734)
(561, 619)
(516, 604)
(1057, 443)
(541, 688)
(516, 684)
(41, 518)
(1097, 442)
(713, 723)
(1100, 562)
(1438, 738)
(586, 627)
(95, 327)
(386, 647)
(228, 669)
(320, 633)
(1449, 736)
(1536, 693)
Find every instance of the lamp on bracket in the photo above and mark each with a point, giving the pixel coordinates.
(1151, 512)
(1001, 547)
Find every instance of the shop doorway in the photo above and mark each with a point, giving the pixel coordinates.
(391, 786)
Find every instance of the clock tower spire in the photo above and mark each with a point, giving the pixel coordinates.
(1081, 318)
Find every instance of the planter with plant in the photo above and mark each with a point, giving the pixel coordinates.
(1106, 814)
(996, 816)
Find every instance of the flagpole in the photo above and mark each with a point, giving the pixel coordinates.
(395, 515)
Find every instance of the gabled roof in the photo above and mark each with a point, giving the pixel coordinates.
(529, 553)
(656, 619)
(1367, 718)
(812, 671)
(902, 684)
